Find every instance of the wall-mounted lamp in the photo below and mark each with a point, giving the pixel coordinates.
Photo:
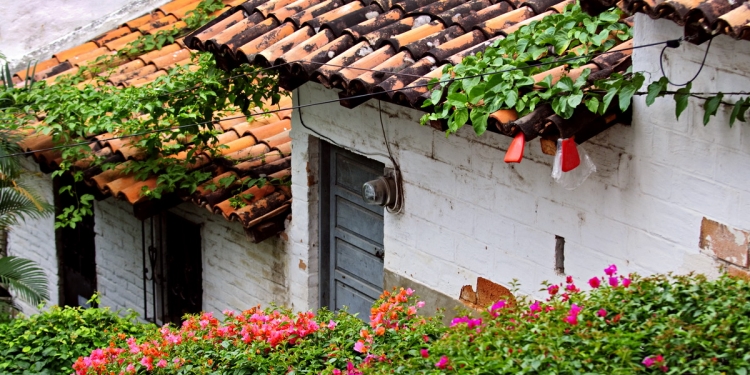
(384, 191)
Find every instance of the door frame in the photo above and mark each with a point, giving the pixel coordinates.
(325, 209)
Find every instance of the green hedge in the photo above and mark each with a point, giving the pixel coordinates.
(48, 343)
(621, 325)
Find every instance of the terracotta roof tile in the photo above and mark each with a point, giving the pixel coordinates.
(258, 147)
(700, 18)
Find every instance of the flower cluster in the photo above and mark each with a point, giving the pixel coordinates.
(271, 328)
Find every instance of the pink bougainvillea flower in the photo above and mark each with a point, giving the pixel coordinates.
(130, 369)
(611, 270)
(602, 313)
(572, 288)
(614, 282)
(498, 305)
(626, 282)
(659, 358)
(331, 324)
(565, 297)
(420, 304)
(569, 279)
(409, 291)
(594, 282)
(442, 363)
(411, 310)
(553, 289)
(575, 309)
(425, 353)
(648, 361)
(571, 319)
(535, 307)
(162, 363)
(148, 362)
(176, 360)
(360, 346)
(336, 371)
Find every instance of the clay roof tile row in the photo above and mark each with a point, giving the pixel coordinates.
(389, 49)
(261, 147)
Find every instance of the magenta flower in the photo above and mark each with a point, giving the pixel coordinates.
(409, 291)
(659, 358)
(648, 361)
(571, 319)
(594, 282)
(162, 363)
(553, 289)
(535, 307)
(424, 353)
(336, 371)
(626, 282)
(611, 270)
(613, 282)
(602, 313)
(442, 363)
(331, 324)
(498, 305)
(575, 309)
(569, 279)
(130, 369)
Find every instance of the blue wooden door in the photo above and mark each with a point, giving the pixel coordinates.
(353, 233)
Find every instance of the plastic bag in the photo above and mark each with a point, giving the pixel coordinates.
(572, 164)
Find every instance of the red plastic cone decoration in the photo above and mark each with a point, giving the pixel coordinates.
(569, 158)
(515, 151)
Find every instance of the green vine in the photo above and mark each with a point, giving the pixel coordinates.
(473, 92)
(503, 76)
(158, 119)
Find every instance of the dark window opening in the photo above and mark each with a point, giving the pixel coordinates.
(183, 268)
(76, 251)
(560, 255)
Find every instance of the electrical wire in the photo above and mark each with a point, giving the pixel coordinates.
(327, 139)
(672, 44)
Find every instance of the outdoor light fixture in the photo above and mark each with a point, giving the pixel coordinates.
(384, 191)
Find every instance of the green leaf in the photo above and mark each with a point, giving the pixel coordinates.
(681, 99)
(711, 106)
(565, 84)
(592, 104)
(575, 99)
(459, 118)
(479, 120)
(607, 99)
(656, 89)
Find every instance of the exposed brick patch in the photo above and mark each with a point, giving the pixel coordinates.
(487, 293)
(729, 244)
(738, 272)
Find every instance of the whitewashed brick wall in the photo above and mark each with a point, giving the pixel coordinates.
(237, 274)
(35, 238)
(469, 214)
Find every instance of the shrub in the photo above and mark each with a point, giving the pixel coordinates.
(624, 325)
(49, 342)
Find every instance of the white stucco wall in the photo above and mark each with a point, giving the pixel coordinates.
(36, 29)
(469, 214)
(35, 238)
(237, 274)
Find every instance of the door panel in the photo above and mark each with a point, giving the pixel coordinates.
(352, 233)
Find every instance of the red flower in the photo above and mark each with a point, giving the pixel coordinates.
(594, 282)
(442, 363)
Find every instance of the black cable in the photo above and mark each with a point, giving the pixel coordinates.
(671, 44)
(329, 140)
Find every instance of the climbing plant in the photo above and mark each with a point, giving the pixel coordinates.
(503, 76)
(169, 122)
